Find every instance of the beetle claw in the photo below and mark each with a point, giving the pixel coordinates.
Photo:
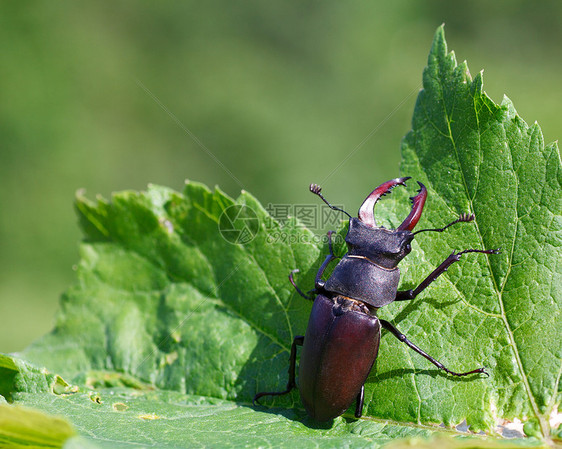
(418, 202)
(465, 217)
(257, 399)
(366, 212)
(490, 251)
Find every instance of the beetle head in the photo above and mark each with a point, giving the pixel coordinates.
(383, 246)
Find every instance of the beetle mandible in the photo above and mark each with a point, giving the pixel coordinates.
(342, 339)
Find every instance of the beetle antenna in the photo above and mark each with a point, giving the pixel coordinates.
(316, 189)
(463, 218)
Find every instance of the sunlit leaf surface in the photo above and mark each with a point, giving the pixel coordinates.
(170, 329)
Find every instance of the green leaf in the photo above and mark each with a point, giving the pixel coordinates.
(170, 318)
(481, 157)
(25, 428)
(17, 375)
(167, 299)
(124, 418)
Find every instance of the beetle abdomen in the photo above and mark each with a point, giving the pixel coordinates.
(340, 347)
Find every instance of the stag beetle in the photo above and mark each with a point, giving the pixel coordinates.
(343, 334)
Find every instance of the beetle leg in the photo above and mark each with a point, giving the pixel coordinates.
(298, 341)
(319, 282)
(400, 336)
(359, 402)
(309, 296)
(405, 295)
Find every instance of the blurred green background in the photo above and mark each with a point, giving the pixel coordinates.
(104, 96)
